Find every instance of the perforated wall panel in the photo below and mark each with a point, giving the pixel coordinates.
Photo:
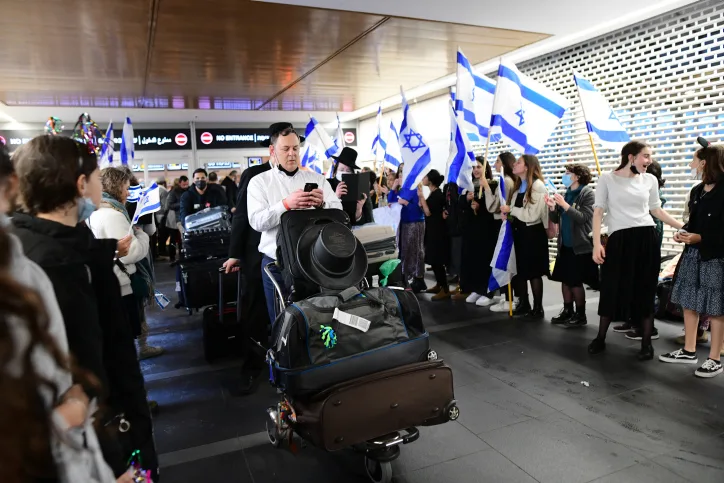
(664, 78)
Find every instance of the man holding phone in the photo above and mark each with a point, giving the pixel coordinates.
(284, 187)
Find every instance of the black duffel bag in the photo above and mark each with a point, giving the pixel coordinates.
(331, 338)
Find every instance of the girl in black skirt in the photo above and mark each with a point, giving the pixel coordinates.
(479, 236)
(698, 282)
(631, 258)
(530, 219)
(437, 242)
(574, 264)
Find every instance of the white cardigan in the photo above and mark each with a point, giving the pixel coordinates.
(106, 222)
(535, 212)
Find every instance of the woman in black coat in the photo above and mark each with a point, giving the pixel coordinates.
(60, 187)
(437, 241)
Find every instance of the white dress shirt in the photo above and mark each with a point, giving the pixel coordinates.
(264, 202)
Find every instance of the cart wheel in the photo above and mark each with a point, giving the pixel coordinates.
(378, 472)
(431, 355)
(453, 413)
(272, 432)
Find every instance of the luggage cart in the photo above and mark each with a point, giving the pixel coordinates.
(378, 452)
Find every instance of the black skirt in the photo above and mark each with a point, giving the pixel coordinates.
(478, 249)
(575, 270)
(531, 250)
(630, 274)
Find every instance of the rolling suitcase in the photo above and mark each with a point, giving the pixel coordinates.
(200, 283)
(330, 338)
(221, 324)
(362, 409)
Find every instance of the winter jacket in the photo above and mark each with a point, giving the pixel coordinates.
(192, 201)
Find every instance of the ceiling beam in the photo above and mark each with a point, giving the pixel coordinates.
(152, 23)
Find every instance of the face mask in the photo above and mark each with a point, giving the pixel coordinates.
(695, 174)
(200, 184)
(339, 175)
(85, 209)
(566, 180)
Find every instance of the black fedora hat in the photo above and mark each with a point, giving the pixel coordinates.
(348, 156)
(276, 128)
(331, 256)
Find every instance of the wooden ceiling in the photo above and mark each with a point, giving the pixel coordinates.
(226, 54)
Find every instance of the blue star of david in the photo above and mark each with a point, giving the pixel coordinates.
(521, 115)
(613, 116)
(408, 139)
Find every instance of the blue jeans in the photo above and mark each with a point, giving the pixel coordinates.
(269, 287)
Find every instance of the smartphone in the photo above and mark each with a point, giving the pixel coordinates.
(682, 231)
(310, 186)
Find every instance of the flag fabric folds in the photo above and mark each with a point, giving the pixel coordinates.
(127, 149)
(148, 202)
(413, 148)
(106, 158)
(601, 121)
(474, 95)
(379, 144)
(525, 112)
(462, 159)
(393, 156)
(503, 264)
(134, 193)
(339, 141)
(318, 147)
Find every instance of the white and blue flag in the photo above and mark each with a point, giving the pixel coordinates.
(601, 121)
(473, 96)
(127, 150)
(318, 147)
(414, 150)
(393, 156)
(106, 158)
(134, 193)
(525, 112)
(462, 159)
(503, 264)
(379, 144)
(339, 141)
(149, 202)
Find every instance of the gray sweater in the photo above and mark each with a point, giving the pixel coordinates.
(580, 215)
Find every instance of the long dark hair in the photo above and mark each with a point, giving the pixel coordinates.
(631, 148)
(534, 173)
(508, 160)
(714, 167)
(487, 170)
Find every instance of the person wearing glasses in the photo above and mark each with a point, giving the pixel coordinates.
(279, 190)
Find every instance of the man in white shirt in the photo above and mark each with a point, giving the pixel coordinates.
(279, 190)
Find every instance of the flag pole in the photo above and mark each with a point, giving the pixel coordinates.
(510, 297)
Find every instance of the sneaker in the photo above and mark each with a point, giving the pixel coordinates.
(148, 352)
(710, 368)
(700, 339)
(460, 297)
(679, 357)
(484, 302)
(563, 318)
(578, 320)
(636, 335)
(622, 328)
(504, 306)
(418, 285)
(472, 298)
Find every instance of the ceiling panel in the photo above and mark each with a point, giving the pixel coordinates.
(403, 52)
(54, 51)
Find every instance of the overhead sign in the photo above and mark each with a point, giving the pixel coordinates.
(144, 140)
(350, 137)
(231, 138)
(177, 167)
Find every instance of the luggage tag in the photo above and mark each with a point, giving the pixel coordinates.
(351, 320)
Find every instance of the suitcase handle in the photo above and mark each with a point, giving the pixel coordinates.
(222, 272)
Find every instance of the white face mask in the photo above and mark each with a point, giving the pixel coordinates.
(339, 175)
(695, 174)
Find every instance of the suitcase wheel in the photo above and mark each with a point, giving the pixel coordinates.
(431, 355)
(453, 411)
(377, 471)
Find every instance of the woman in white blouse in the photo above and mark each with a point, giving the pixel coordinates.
(631, 257)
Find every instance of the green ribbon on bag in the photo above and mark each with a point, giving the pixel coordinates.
(386, 270)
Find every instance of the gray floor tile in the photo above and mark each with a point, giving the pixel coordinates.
(704, 463)
(229, 468)
(644, 472)
(557, 449)
(487, 466)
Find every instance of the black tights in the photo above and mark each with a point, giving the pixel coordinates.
(647, 328)
(440, 277)
(536, 285)
(577, 294)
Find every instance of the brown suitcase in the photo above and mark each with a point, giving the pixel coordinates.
(360, 410)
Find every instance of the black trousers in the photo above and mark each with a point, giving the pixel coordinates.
(254, 315)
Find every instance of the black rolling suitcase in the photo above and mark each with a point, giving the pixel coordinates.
(222, 324)
(200, 283)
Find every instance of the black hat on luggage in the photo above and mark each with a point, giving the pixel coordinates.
(331, 256)
(348, 156)
(276, 128)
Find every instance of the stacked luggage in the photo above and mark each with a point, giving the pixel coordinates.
(379, 242)
(353, 366)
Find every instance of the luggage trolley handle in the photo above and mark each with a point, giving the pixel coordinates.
(222, 272)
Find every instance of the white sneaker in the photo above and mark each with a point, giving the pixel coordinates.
(498, 298)
(472, 298)
(504, 306)
(484, 301)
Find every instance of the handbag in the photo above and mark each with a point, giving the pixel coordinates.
(552, 229)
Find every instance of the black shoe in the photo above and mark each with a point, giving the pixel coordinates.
(597, 346)
(635, 334)
(563, 318)
(179, 305)
(523, 309)
(248, 384)
(536, 314)
(646, 353)
(578, 320)
(418, 285)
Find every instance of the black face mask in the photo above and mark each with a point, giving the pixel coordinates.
(200, 184)
(288, 173)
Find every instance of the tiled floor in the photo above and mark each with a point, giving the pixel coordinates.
(526, 414)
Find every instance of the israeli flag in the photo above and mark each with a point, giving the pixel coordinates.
(601, 121)
(393, 156)
(149, 202)
(134, 193)
(413, 148)
(462, 159)
(312, 158)
(127, 150)
(106, 158)
(319, 146)
(474, 95)
(379, 145)
(525, 112)
(339, 141)
(503, 264)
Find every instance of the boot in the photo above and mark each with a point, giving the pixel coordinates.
(565, 316)
(443, 294)
(434, 289)
(418, 285)
(522, 309)
(579, 319)
(146, 351)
